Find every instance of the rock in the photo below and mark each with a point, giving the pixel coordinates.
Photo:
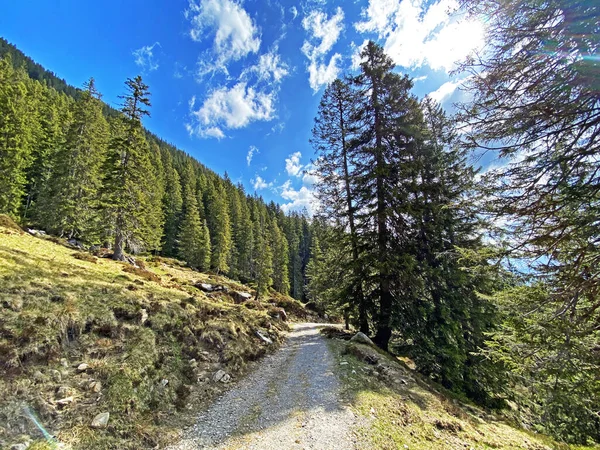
(226, 378)
(35, 232)
(64, 362)
(193, 363)
(56, 375)
(65, 401)
(95, 386)
(362, 338)
(101, 420)
(82, 367)
(205, 287)
(143, 316)
(326, 316)
(241, 297)
(282, 315)
(75, 243)
(19, 447)
(38, 376)
(164, 382)
(221, 376)
(62, 391)
(263, 338)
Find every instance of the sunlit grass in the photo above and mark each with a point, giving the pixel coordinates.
(415, 415)
(134, 328)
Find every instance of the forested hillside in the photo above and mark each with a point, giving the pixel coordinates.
(79, 169)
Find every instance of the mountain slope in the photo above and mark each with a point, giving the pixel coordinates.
(149, 341)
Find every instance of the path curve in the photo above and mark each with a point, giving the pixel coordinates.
(291, 401)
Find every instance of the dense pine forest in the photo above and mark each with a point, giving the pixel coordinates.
(488, 282)
(81, 170)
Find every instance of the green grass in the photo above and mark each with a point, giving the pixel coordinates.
(60, 308)
(400, 410)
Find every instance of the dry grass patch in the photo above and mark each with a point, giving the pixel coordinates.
(402, 411)
(146, 348)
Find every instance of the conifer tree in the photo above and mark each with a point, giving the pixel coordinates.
(219, 226)
(15, 136)
(128, 202)
(335, 127)
(53, 120)
(384, 138)
(69, 201)
(194, 238)
(262, 253)
(172, 204)
(280, 249)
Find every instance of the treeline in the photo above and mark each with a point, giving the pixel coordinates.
(68, 167)
(491, 283)
(395, 190)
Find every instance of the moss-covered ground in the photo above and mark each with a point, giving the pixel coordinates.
(149, 339)
(401, 410)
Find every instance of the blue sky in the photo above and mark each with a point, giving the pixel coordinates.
(234, 83)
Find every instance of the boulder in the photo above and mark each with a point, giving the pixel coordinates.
(362, 338)
(65, 401)
(95, 386)
(21, 446)
(241, 297)
(101, 420)
(82, 367)
(221, 376)
(283, 315)
(205, 287)
(263, 338)
(143, 316)
(75, 243)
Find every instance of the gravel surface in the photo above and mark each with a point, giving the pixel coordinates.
(291, 401)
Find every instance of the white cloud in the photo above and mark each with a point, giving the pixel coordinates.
(144, 57)
(251, 151)
(415, 35)
(309, 175)
(269, 68)
(297, 199)
(294, 12)
(292, 164)
(231, 108)
(356, 51)
(322, 34)
(235, 33)
(445, 91)
(259, 183)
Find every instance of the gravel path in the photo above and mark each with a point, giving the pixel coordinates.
(291, 401)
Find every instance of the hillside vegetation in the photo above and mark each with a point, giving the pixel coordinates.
(400, 409)
(82, 335)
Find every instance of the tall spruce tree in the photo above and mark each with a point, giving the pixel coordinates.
(16, 135)
(53, 120)
(332, 136)
(217, 212)
(172, 204)
(194, 237)
(262, 252)
(128, 201)
(385, 116)
(279, 245)
(69, 200)
(536, 104)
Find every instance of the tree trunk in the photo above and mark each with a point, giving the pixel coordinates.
(384, 330)
(363, 322)
(118, 251)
